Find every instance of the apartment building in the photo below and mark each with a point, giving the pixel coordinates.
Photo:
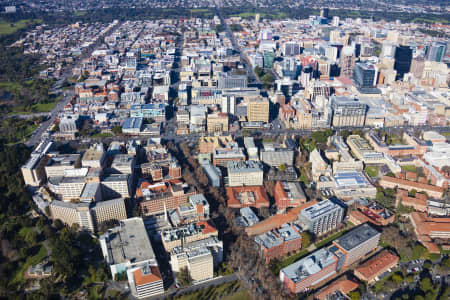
(322, 217)
(288, 194)
(245, 173)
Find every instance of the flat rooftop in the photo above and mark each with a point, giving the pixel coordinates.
(356, 237)
(128, 242)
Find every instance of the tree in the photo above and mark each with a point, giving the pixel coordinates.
(354, 295)
(306, 239)
(425, 284)
(267, 80)
(258, 71)
(397, 278)
(184, 277)
(117, 130)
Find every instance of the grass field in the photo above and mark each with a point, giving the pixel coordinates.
(9, 28)
(372, 171)
(409, 168)
(228, 291)
(275, 15)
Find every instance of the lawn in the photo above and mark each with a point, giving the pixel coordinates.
(372, 171)
(239, 295)
(44, 107)
(231, 290)
(331, 238)
(409, 168)
(32, 260)
(9, 28)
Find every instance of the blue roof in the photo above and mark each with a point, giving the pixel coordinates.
(131, 123)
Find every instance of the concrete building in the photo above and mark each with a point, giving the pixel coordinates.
(288, 194)
(347, 112)
(94, 157)
(217, 123)
(116, 185)
(59, 163)
(252, 150)
(258, 110)
(279, 242)
(356, 244)
(245, 173)
(230, 81)
(127, 249)
(183, 235)
(88, 216)
(322, 217)
(309, 271)
(276, 156)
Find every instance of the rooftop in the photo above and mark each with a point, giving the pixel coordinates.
(128, 242)
(356, 237)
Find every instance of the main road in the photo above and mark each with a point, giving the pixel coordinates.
(67, 95)
(244, 59)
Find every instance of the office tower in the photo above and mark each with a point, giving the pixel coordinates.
(403, 58)
(347, 61)
(230, 81)
(364, 75)
(436, 51)
(306, 76)
(269, 56)
(258, 110)
(335, 22)
(291, 49)
(324, 12)
(290, 67)
(388, 49)
(347, 112)
(335, 36)
(257, 18)
(331, 53)
(228, 104)
(322, 217)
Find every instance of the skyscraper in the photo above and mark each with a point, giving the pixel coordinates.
(364, 75)
(436, 51)
(347, 61)
(403, 58)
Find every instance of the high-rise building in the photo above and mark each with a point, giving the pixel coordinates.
(322, 217)
(436, 51)
(324, 12)
(335, 22)
(347, 112)
(364, 75)
(291, 49)
(347, 61)
(269, 56)
(228, 104)
(258, 110)
(403, 58)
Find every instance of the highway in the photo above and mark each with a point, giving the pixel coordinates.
(244, 59)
